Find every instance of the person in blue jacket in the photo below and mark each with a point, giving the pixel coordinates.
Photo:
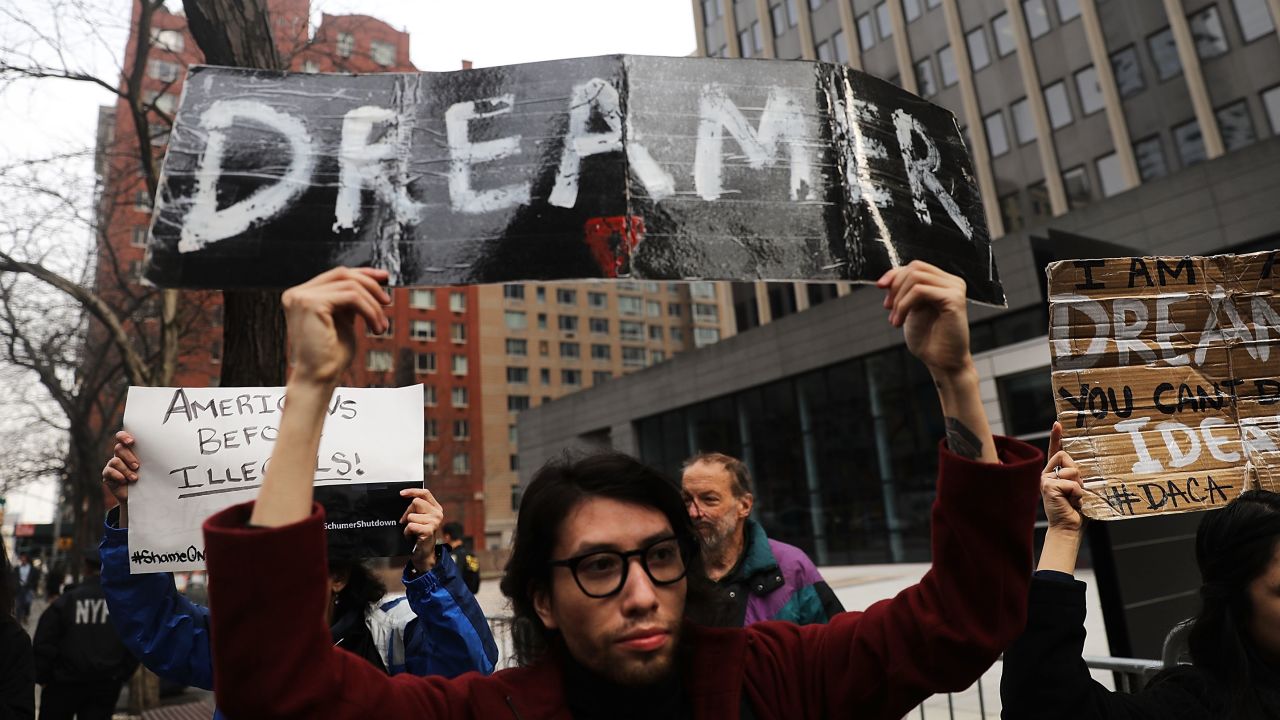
(437, 628)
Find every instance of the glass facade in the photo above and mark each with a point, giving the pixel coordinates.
(844, 459)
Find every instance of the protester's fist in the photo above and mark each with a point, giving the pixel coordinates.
(424, 518)
(1060, 487)
(929, 305)
(321, 316)
(121, 470)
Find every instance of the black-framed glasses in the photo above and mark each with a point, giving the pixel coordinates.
(602, 573)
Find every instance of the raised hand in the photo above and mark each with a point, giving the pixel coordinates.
(120, 472)
(1060, 487)
(321, 316)
(424, 518)
(929, 305)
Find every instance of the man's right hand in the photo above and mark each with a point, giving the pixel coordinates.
(320, 314)
(120, 472)
(1062, 493)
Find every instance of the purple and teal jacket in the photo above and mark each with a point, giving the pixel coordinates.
(774, 581)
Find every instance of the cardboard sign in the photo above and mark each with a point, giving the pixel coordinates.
(1166, 375)
(618, 166)
(204, 449)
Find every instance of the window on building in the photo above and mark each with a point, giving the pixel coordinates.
(457, 302)
(1128, 71)
(1206, 30)
(866, 32)
(702, 290)
(1055, 100)
(461, 463)
(600, 352)
(657, 356)
(925, 83)
(541, 293)
(793, 13)
(513, 434)
(542, 321)
(653, 308)
(422, 299)
(676, 334)
(544, 348)
(516, 403)
(1038, 199)
(1076, 182)
(458, 333)
(630, 330)
(1236, 125)
(346, 44)
(570, 350)
(171, 40)
(422, 329)
(142, 201)
(518, 375)
(1090, 90)
(1149, 155)
(1068, 10)
(744, 43)
(757, 36)
(163, 71)
(424, 362)
(1024, 127)
(777, 16)
(571, 378)
(430, 463)
(911, 9)
(431, 429)
(513, 464)
(1254, 18)
(378, 361)
(1190, 143)
(1164, 53)
(458, 365)
(824, 51)
(600, 376)
(597, 300)
(630, 305)
(632, 357)
(461, 429)
(1271, 100)
(884, 21)
(544, 376)
(310, 67)
(598, 326)
(512, 291)
(947, 64)
(1037, 17)
(565, 296)
(704, 336)
(655, 332)
(979, 56)
(568, 323)
(139, 236)
(383, 53)
(1002, 28)
(429, 396)
(997, 140)
(515, 320)
(706, 312)
(1111, 175)
(673, 310)
(1011, 212)
(841, 48)
(517, 348)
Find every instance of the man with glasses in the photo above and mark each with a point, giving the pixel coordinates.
(605, 581)
(755, 577)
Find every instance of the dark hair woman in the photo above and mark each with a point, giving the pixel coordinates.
(1234, 640)
(17, 667)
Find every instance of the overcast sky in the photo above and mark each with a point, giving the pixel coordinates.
(45, 117)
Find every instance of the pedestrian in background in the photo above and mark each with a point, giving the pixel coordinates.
(17, 673)
(80, 662)
(463, 558)
(26, 579)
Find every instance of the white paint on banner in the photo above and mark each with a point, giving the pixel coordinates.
(362, 163)
(922, 172)
(463, 153)
(204, 449)
(781, 121)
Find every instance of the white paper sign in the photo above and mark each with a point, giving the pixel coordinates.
(204, 449)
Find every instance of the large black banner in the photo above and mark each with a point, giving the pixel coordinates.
(617, 166)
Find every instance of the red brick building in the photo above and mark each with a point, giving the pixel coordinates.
(433, 333)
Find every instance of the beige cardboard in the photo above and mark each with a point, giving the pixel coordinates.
(1166, 378)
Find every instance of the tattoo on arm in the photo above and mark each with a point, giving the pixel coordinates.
(962, 441)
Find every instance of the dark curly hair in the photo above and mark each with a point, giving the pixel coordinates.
(1234, 546)
(556, 489)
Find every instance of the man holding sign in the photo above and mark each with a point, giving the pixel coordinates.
(605, 567)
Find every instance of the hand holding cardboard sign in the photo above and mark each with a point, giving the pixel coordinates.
(321, 317)
(120, 472)
(424, 518)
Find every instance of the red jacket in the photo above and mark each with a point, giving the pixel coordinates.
(937, 636)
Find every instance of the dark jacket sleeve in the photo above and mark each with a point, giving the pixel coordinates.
(17, 674)
(167, 632)
(48, 640)
(939, 635)
(451, 636)
(1045, 676)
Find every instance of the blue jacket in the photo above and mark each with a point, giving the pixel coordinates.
(169, 634)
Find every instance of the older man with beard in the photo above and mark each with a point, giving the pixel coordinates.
(755, 578)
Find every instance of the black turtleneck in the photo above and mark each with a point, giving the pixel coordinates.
(592, 697)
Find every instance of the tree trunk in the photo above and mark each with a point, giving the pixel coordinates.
(237, 33)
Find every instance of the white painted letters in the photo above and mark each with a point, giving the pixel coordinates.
(463, 154)
(361, 164)
(781, 121)
(922, 172)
